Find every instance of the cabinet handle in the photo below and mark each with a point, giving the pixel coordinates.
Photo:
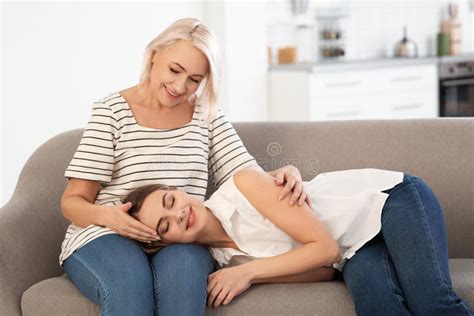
(343, 84)
(407, 78)
(407, 106)
(460, 82)
(346, 113)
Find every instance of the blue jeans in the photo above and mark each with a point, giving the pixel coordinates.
(115, 273)
(404, 269)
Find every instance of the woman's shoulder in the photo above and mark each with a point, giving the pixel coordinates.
(216, 116)
(109, 98)
(247, 174)
(112, 104)
(251, 180)
(240, 182)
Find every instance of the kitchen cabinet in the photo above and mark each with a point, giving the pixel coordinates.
(408, 91)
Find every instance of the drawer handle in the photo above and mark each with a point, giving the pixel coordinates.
(338, 114)
(455, 83)
(407, 106)
(343, 84)
(407, 78)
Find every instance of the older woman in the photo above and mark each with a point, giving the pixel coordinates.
(166, 129)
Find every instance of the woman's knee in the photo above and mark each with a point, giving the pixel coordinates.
(109, 268)
(183, 255)
(181, 273)
(183, 266)
(409, 178)
(412, 191)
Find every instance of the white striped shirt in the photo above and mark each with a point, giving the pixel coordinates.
(122, 156)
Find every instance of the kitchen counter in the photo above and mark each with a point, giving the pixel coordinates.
(364, 64)
(457, 58)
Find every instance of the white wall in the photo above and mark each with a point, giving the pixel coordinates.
(1, 108)
(372, 27)
(60, 57)
(240, 27)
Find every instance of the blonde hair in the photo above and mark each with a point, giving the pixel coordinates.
(200, 36)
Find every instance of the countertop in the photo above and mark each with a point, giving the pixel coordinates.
(345, 64)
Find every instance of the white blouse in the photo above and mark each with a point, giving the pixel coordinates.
(349, 203)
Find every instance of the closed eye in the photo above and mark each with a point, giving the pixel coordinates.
(159, 227)
(172, 201)
(174, 71)
(168, 200)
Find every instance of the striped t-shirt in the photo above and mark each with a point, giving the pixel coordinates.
(122, 155)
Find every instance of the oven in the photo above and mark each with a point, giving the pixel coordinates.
(456, 88)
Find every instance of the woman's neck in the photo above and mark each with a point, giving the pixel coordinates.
(214, 234)
(145, 97)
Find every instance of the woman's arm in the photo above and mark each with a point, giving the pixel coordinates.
(227, 155)
(315, 275)
(80, 194)
(77, 205)
(318, 248)
(290, 177)
(91, 165)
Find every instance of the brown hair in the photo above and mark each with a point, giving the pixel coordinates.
(137, 197)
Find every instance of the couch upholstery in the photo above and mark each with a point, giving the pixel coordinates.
(438, 150)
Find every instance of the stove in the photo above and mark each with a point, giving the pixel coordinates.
(456, 86)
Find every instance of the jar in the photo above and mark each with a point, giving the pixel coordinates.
(283, 41)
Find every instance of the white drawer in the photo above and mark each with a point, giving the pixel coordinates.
(421, 104)
(339, 108)
(414, 104)
(341, 83)
(352, 83)
(409, 78)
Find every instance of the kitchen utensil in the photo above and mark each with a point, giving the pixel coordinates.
(405, 47)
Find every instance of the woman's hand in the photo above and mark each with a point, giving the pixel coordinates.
(118, 219)
(225, 284)
(290, 177)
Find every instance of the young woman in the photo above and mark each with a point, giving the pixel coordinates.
(384, 230)
(165, 129)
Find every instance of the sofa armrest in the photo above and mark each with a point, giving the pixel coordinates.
(31, 224)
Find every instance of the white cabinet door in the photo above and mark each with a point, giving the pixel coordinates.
(342, 83)
(408, 78)
(341, 108)
(419, 104)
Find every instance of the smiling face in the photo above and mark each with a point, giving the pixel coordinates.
(176, 72)
(177, 216)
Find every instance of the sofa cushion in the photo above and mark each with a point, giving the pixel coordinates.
(462, 276)
(58, 296)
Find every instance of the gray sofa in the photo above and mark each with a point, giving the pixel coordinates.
(438, 150)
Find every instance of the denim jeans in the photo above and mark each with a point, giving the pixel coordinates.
(404, 269)
(115, 273)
